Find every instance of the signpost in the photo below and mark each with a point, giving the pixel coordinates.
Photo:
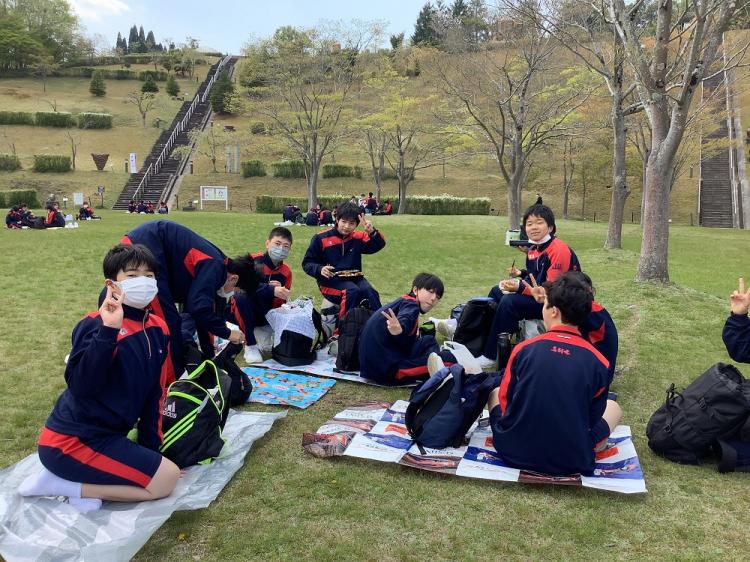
(133, 164)
(100, 191)
(215, 193)
(78, 199)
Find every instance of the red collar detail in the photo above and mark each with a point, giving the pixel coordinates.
(409, 298)
(566, 329)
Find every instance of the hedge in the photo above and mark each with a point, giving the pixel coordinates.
(113, 74)
(253, 168)
(51, 163)
(415, 205)
(94, 121)
(288, 169)
(341, 171)
(2, 200)
(16, 118)
(54, 119)
(9, 162)
(28, 196)
(389, 174)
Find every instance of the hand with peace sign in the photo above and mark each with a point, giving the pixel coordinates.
(392, 323)
(366, 224)
(739, 300)
(537, 291)
(111, 311)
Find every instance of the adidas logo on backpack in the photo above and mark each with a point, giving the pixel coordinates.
(170, 410)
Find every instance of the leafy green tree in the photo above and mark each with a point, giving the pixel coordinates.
(18, 47)
(397, 41)
(149, 85)
(53, 23)
(173, 88)
(97, 86)
(220, 92)
(424, 32)
(150, 41)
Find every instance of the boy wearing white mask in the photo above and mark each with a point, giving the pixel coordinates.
(116, 379)
(249, 311)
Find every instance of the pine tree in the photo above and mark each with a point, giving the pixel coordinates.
(459, 9)
(149, 85)
(173, 88)
(424, 34)
(133, 37)
(97, 86)
(118, 43)
(150, 41)
(220, 91)
(141, 35)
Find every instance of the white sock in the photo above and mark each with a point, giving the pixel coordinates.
(85, 505)
(45, 483)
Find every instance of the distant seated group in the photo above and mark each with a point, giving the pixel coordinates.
(147, 207)
(20, 216)
(86, 213)
(321, 216)
(370, 205)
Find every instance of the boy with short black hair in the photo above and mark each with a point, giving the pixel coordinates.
(249, 311)
(340, 249)
(116, 379)
(547, 258)
(390, 349)
(550, 413)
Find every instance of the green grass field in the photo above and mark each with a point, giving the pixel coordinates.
(285, 505)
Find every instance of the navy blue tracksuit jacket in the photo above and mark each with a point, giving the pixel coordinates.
(599, 329)
(736, 336)
(115, 378)
(191, 270)
(331, 248)
(390, 359)
(552, 397)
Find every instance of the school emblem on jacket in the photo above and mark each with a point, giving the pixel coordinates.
(123, 332)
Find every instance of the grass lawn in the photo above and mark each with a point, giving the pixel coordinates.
(285, 505)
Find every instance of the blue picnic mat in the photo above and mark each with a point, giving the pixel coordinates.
(286, 389)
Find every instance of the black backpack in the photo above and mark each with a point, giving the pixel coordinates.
(713, 407)
(350, 328)
(297, 349)
(475, 323)
(442, 409)
(193, 416)
(240, 387)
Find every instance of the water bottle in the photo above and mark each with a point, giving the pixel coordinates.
(503, 350)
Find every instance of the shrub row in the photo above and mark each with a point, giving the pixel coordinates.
(57, 119)
(389, 174)
(415, 205)
(113, 74)
(341, 171)
(51, 163)
(288, 169)
(10, 198)
(9, 162)
(16, 118)
(94, 121)
(253, 168)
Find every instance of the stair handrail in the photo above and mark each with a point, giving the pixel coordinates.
(734, 184)
(148, 173)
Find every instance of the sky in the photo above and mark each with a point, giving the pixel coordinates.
(226, 25)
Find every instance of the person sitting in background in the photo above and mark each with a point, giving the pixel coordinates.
(325, 217)
(54, 217)
(142, 208)
(150, 208)
(311, 219)
(13, 218)
(132, 207)
(27, 217)
(86, 213)
(371, 204)
(386, 209)
(163, 209)
(550, 413)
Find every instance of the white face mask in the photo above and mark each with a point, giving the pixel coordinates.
(139, 291)
(223, 294)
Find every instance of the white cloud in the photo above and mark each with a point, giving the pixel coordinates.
(97, 10)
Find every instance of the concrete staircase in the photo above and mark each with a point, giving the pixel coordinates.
(715, 200)
(159, 171)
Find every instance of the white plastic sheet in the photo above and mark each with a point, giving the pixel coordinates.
(48, 529)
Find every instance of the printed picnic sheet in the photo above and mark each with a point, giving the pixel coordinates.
(47, 529)
(287, 389)
(377, 431)
(323, 366)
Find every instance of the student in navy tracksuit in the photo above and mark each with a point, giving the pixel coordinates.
(736, 333)
(116, 380)
(547, 258)
(192, 271)
(550, 412)
(391, 352)
(339, 248)
(249, 311)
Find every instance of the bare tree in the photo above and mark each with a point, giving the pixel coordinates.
(569, 167)
(515, 102)
(75, 141)
(144, 101)
(52, 104)
(666, 78)
(375, 143)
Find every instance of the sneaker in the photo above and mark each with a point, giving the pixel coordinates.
(445, 326)
(434, 363)
(487, 364)
(253, 355)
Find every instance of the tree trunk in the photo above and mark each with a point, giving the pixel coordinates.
(566, 198)
(403, 182)
(653, 264)
(514, 201)
(312, 185)
(620, 190)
